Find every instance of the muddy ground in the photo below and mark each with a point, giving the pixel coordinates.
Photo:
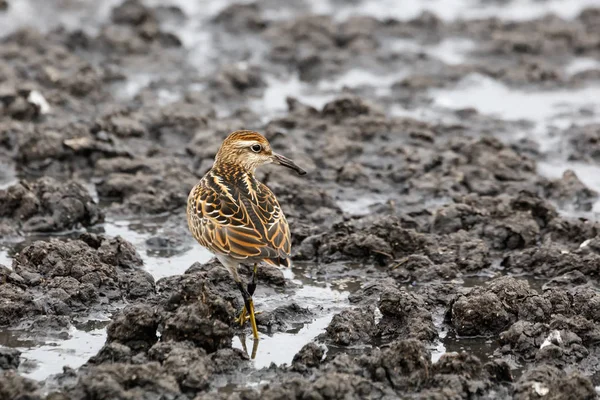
(446, 242)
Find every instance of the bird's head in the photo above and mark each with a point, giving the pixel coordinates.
(250, 150)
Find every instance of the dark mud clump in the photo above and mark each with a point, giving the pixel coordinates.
(351, 327)
(46, 205)
(73, 277)
(135, 327)
(552, 260)
(585, 142)
(147, 186)
(14, 386)
(177, 343)
(400, 369)
(197, 307)
(310, 356)
(282, 318)
(9, 358)
(567, 337)
(405, 315)
(489, 309)
(552, 383)
(240, 17)
(136, 29)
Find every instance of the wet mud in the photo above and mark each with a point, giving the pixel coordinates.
(446, 241)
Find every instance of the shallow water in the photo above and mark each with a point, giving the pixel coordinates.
(488, 96)
(452, 50)
(43, 15)
(5, 259)
(360, 206)
(280, 348)
(453, 9)
(161, 263)
(581, 64)
(273, 101)
(50, 357)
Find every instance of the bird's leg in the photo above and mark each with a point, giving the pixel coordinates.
(243, 317)
(254, 349)
(252, 284)
(245, 348)
(249, 308)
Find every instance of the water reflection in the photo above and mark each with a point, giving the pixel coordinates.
(280, 348)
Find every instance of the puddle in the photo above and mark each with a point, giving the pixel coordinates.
(483, 93)
(356, 78)
(439, 348)
(159, 263)
(49, 358)
(281, 347)
(42, 356)
(273, 101)
(44, 16)
(5, 259)
(323, 298)
(360, 206)
(581, 64)
(129, 88)
(451, 51)
(197, 8)
(482, 347)
(518, 10)
(8, 175)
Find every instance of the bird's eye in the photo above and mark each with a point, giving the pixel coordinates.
(256, 148)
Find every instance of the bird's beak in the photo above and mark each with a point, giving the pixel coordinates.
(286, 162)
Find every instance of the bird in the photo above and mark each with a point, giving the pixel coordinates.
(238, 218)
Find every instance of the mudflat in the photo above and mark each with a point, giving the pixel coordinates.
(446, 241)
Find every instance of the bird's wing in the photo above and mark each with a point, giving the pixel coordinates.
(228, 221)
(275, 225)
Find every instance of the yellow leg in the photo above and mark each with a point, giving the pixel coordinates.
(253, 320)
(254, 349)
(245, 348)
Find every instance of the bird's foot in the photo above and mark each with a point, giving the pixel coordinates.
(243, 317)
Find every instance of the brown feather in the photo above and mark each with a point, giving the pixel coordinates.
(231, 213)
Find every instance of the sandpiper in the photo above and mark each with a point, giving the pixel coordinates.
(238, 218)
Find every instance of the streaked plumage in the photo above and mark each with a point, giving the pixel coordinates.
(231, 213)
(235, 216)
